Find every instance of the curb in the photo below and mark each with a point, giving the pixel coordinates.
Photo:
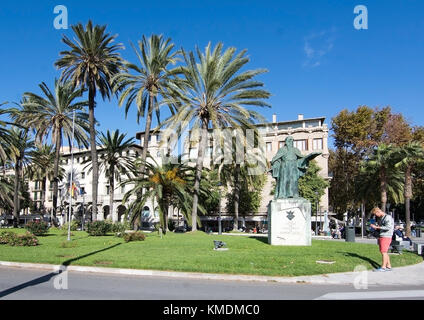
(348, 278)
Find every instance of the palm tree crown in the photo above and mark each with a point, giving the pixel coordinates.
(214, 93)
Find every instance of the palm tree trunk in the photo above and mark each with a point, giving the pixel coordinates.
(56, 173)
(147, 133)
(236, 196)
(199, 168)
(16, 200)
(43, 196)
(93, 145)
(383, 190)
(111, 192)
(408, 196)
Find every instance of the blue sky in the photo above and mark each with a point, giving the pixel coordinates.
(318, 62)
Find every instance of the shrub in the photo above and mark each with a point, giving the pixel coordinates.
(13, 239)
(134, 236)
(6, 237)
(74, 226)
(37, 228)
(98, 228)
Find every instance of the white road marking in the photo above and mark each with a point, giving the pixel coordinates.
(363, 295)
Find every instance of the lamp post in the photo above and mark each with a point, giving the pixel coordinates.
(316, 216)
(83, 209)
(219, 211)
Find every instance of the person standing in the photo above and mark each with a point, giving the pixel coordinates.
(385, 228)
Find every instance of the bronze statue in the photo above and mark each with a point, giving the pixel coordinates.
(288, 165)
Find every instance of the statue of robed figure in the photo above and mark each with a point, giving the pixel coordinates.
(288, 165)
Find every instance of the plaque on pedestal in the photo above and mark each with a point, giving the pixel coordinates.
(289, 222)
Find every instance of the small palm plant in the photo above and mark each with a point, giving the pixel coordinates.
(168, 185)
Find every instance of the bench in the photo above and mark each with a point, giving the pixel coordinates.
(418, 247)
(398, 246)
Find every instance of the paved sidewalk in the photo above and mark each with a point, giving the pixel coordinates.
(410, 275)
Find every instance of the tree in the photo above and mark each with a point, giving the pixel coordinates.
(247, 196)
(42, 169)
(18, 151)
(169, 185)
(213, 94)
(152, 79)
(113, 162)
(52, 114)
(311, 185)
(91, 62)
(410, 155)
(382, 162)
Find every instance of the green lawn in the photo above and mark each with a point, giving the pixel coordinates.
(193, 252)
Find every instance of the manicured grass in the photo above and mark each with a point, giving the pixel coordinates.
(193, 252)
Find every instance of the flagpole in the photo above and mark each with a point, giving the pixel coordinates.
(72, 177)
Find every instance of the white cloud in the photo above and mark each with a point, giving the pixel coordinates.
(316, 46)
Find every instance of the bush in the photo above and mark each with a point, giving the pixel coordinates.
(74, 226)
(134, 236)
(13, 239)
(37, 228)
(6, 237)
(98, 228)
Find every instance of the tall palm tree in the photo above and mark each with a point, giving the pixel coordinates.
(114, 163)
(19, 149)
(213, 95)
(52, 114)
(410, 155)
(43, 168)
(151, 81)
(91, 62)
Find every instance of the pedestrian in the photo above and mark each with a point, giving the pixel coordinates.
(401, 236)
(384, 227)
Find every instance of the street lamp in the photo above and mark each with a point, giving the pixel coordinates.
(219, 210)
(83, 209)
(316, 217)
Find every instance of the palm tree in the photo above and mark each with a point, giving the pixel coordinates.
(19, 156)
(53, 114)
(236, 174)
(169, 185)
(382, 163)
(42, 168)
(410, 155)
(212, 96)
(152, 80)
(114, 163)
(91, 62)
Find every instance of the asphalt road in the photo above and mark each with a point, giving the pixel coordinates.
(22, 284)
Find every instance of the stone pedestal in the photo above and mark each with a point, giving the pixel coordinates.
(289, 222)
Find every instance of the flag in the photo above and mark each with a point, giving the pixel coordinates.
(74, 190)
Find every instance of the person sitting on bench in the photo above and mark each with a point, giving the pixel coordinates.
(398, 233)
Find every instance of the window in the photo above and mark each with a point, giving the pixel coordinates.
(280, 144)
(193, 153)
(302, 145)
(107, 189)
(269, 146)
(209, 152)
(317, 144)
(83, 175)
(122, 189)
